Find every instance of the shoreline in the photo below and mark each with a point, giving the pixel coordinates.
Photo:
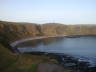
(13, 44)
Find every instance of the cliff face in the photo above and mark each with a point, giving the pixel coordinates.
(68, 30)
(53, 29)
(12, 31)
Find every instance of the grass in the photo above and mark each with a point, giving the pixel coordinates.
(10, 62)
(32, 69)
(15, 63)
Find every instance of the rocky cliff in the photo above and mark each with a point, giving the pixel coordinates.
(11, 31)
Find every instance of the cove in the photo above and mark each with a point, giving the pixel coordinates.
(81, 48)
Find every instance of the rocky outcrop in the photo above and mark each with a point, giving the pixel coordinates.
(11, 31)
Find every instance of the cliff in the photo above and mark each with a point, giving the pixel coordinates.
(11, 31)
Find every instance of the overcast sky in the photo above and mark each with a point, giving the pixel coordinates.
(45, 11)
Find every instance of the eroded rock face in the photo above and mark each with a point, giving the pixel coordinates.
(12, 31)
(52, 29)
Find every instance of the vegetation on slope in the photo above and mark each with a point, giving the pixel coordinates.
(10, 62)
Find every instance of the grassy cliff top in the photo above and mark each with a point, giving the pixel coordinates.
(10, 62)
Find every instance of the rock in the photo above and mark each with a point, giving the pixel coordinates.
(70, 65)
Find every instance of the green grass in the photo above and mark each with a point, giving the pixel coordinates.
(10, 62)
(32, 69)
(6, 58)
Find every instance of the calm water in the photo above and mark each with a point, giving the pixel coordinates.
(83, 48)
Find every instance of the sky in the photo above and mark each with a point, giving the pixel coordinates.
(49, 11)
